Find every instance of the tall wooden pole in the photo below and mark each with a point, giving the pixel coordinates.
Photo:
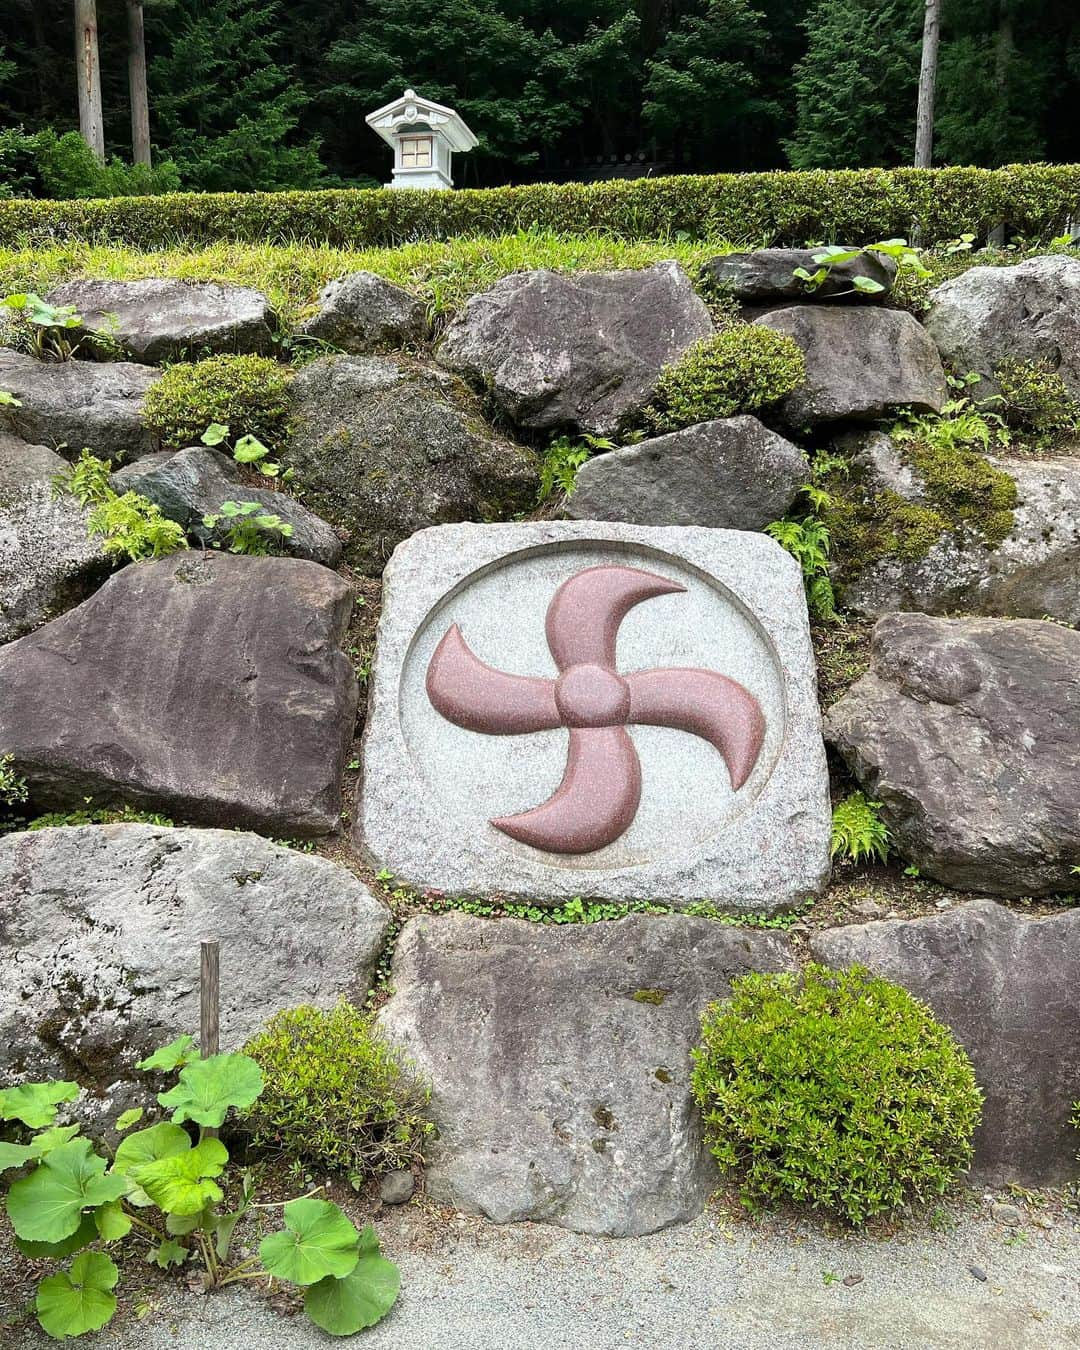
(88, 73)
(140, 102)
(924, 125)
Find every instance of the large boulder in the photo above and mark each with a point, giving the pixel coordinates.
(99, 941)
(1006, 985)
(78, 403)
(1029, 312)
(47, 560)
(206, 686)
(162, 319)
(968, 733)
(860, 364)
(579, 351)
(194, 482)
(767, 277)
(1032, 573)
(733, 474)
(362, 313)
(559, 1059)
(383, 449)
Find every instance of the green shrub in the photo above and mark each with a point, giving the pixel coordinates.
(835, 1089)
(858, 831)
(1035, 401)
(738, 370)
(754, 208)
(43, 164)
(249, 394)
(336, 1094)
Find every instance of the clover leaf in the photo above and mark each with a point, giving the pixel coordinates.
(35, 1103)
(318, 1240)
(47, 1205)
(208, 1087)
(80, 1299)
(180, 1184)
(172, 1056)
(146, 1146)
(358, 1300)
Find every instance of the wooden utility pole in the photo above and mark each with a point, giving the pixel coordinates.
(924, 125)
(140, 103)
(88, 73)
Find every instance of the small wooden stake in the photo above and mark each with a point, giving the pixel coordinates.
(208, 1006)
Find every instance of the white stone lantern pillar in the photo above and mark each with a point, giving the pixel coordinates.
(423, 136)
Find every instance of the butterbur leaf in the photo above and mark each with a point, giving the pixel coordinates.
(169, 1253)
(214, 434)
(172, 1056)
(15, 1155)
(180, 1225)
(318, 1240)
(47, 1205)
(112, 1222)
(249, 449)
(345, 1306)
(55, 1251)
(35, 1103)
(146, 1146)
(79, 1299)
(46, 1140)
(181, 1184)
(209, 1087)
(270, 470)
(867, 284)
(126, 1119)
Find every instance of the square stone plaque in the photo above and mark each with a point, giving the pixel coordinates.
(605, 710)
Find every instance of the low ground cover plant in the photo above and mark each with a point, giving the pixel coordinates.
(165, 1191)
(129, 525)
(1036, 403)
(835, 1089)
(247, 394)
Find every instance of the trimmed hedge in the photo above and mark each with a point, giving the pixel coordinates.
(856, 205)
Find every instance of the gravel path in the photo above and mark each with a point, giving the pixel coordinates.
(714, 1284)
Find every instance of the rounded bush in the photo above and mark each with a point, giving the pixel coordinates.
(835, 1089)
(738, 370)
(1036, 400)
(248, 394)
(335, 1093)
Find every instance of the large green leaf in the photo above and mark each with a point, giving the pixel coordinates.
(318, 1240)
(86, 1233)
(180, 1184)
(363, 1297)
(80, 1299)
(112, 1222)
(16, 1155)
(46, 1206)
(172, 1056)
(145, 1146)
(35, 1103)
(208, 1087)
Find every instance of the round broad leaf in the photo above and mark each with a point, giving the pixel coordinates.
(179, 1184)
(46, 1140)
(80, 1299)
(47, 1205)
(169, 1253)
(319, 1240)
(112, 1222)
(82, 1237)
(208, 1087)
(16, 1155)
(35, 1103)
(172, 1056)
(364, 1297)
(145, 1146)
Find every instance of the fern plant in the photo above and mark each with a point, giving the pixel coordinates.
(808, 541)
(130, 526)
(561, 461)
(858, 832)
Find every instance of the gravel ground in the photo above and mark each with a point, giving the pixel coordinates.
(718, 1283)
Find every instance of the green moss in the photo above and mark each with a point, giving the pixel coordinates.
(654, 996)
(248, 394)
(739, 370)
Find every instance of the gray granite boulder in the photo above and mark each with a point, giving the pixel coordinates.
(194, 482)
(362, 313)
(578, 351)
(162, 319)
(206, 686)
(383, 449)
(47, 561)
(968, 732)
(767, 277)
(861, 364)
(695, 787)
(1006, 985)
(1032, 573)
(559, 1059)
(1027, 312)
(99, 942)
(78, 403)
(733, 474)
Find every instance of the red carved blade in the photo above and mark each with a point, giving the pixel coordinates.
(706, 704)
(476, 696)
(595, 802)
(585, 612)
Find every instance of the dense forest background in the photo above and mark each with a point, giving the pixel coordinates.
(248, 94)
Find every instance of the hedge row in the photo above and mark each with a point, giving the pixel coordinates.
(1035, 200)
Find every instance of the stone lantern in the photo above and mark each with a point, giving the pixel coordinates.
(423, 136)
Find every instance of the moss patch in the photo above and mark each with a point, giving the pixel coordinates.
(249, 394)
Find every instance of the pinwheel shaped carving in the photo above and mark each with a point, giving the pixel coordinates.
(600, 792)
